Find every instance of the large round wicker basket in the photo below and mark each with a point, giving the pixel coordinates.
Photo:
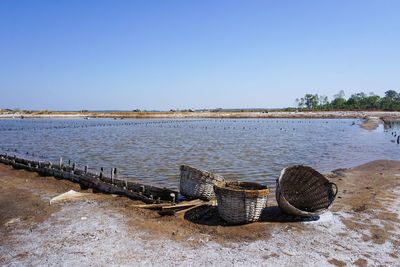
(302, 191)
(196, 183)
(240, 202)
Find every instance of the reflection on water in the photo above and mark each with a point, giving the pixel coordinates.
(248, 149)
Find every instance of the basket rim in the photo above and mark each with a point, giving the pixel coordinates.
(220, 186)
(303, 212)
(208, 177)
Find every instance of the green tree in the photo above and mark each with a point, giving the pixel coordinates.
(392, 94)
(339, 95)
(339, 102)
(323, 102)
(356, 101)
(300, 102)
(372, 101)
(311, 101)
(386, 103)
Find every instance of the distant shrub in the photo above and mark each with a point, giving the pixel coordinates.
(45, 111)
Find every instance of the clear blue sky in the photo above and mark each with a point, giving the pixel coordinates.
(71, 55)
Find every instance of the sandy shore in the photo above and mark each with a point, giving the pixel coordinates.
(222, 114)
(362, 228)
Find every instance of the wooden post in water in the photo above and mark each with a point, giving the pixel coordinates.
(398, 139)
(86, 169)
(73, 167)
(101, 173)
(61, 162)
(112, 175)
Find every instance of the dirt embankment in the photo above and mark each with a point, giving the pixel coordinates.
(363, 227)
(217, 115)
(371, 123)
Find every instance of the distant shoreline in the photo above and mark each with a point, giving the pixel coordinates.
(379, 115)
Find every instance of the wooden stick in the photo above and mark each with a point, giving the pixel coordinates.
(165, 211)
(184, 204)
(152, 206)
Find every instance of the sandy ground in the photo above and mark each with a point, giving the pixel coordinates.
(221, 114)
(362, 228)
(371, 123)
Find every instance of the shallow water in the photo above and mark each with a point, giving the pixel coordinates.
(247, 149)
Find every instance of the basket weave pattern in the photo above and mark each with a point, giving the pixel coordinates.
(196, 183)
(303, 191)
(240, 205)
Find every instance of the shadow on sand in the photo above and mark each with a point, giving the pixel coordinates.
(208, 215)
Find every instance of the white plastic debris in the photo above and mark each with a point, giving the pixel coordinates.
(70, 195)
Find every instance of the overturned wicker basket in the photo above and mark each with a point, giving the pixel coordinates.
(240, 202)
(302, 191)
(196, 183)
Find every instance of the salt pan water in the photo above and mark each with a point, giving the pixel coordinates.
(246, 149)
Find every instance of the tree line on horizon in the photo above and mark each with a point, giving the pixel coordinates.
(357, 101)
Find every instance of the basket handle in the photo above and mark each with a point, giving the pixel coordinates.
(336, 189)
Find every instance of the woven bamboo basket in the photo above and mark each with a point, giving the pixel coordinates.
(302, 191)
(240, 202)
(196, 183)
